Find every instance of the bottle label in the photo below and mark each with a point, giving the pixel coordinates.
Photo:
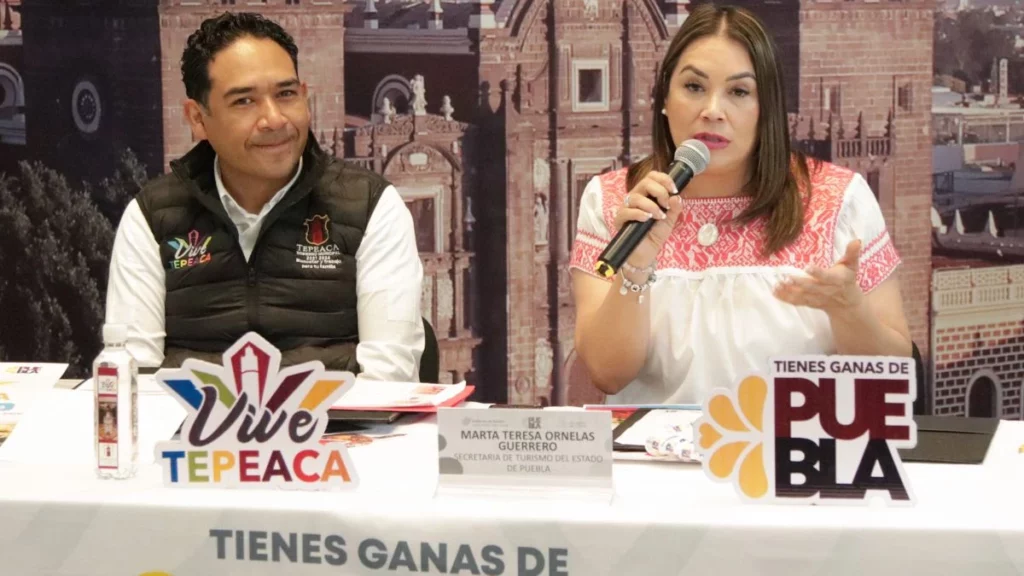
(106, 380)
(106, 417)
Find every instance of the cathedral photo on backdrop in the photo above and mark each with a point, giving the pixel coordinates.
(489, 117)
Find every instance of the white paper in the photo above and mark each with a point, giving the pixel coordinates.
(658, 422)
(17, 398)
(59, 428)
(375, 394)
(34, 372)
(20, 384)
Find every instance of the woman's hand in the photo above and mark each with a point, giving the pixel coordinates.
(652, 197)
(862, 324)
(834, 291)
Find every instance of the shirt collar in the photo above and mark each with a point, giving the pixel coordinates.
(234, 210)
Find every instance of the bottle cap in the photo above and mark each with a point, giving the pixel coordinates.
(115, 333)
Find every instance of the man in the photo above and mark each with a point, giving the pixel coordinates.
(257, 229)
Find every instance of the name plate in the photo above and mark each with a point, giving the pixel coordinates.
(516, 449)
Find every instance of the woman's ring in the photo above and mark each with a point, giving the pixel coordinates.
(627, 201)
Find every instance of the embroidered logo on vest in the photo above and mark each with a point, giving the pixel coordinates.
(190, 252)
(316, 230)
(316, 253)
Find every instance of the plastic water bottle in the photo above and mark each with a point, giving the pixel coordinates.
(115, 377)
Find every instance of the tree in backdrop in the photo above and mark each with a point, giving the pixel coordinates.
(115, 192)
(54, 254)
(968, 42)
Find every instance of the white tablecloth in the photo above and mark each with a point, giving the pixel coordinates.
(664, 519)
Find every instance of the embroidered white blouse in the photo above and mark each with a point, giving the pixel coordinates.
(714, 318)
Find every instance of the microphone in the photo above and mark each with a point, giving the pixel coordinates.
(691, 158)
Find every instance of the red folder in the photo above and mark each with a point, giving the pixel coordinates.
(429, 408)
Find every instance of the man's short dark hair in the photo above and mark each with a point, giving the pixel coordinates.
(216, 34)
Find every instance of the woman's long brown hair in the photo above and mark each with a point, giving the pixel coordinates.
(779, 174)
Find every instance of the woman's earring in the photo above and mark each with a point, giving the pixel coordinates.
(663, 112)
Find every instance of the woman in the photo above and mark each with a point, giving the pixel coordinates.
(763, 254)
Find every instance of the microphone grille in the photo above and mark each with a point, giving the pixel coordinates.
(695, 154)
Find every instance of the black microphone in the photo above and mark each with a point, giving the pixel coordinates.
(691, 158)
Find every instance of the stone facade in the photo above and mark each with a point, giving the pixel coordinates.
(12, 86)
(978, 340)
(422, 156)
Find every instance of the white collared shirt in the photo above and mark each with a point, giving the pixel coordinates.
(249, 224)
(389, 276)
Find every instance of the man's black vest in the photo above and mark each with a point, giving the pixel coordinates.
(298, 289)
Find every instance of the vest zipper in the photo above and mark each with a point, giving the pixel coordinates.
(252, 299)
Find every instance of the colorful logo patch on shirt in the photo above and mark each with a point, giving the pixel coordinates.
(318, 253)
(191, 251)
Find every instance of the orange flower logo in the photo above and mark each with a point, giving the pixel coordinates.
(731, 441)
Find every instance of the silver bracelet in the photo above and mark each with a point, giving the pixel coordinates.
(630, 286)
(634, 270)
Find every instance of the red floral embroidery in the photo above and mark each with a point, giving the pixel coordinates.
(741, 246)
(585, 251)
(878, 263)
(876, 244)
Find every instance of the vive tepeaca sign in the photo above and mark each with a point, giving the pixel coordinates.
(819, 428)
(252, 424)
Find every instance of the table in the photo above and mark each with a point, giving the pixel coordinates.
(665, 519)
